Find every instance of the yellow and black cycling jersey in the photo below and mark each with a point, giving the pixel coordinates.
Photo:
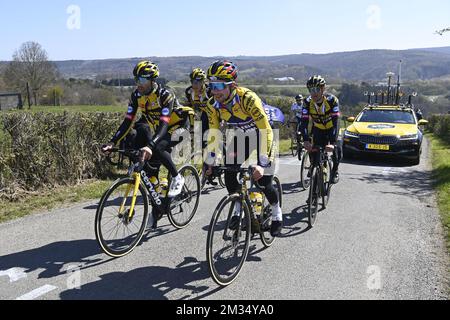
(198, 101)
(245, 112)
(160, 109)
(325, 116)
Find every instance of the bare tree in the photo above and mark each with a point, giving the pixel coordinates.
(30, 65)
(441, 32)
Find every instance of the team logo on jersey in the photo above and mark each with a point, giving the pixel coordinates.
(336, 109)
(165, 112)
(130, 109)
(305, 111)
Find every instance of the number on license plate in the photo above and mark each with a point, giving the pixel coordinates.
(377, 147)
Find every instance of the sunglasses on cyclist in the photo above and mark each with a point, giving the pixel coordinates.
(218, 86)
(315, 90)
(141, 80)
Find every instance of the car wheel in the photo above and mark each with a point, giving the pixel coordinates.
(416, 160)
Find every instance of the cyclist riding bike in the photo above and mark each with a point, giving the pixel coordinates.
(296, 112)
(323, 109)
(242, 110)
(197, 96)
(160, 112)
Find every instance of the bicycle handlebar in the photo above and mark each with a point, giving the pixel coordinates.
(134, 156)
(243, 173)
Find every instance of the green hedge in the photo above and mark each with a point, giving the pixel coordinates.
(440, 126)
(47, 149)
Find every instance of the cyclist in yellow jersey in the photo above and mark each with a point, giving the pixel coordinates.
(323, 109)
(242, 110)
(161, 112)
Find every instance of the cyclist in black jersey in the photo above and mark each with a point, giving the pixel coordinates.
(161, 113)
(197, 96)
(323, 109)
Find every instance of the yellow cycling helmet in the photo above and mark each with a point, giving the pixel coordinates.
(197, 74)
(146, 69)
(223, 70)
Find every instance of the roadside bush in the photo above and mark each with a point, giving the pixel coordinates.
(440, 125)
(48, 149)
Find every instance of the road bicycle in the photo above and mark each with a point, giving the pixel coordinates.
(228, 246)
(123, 212)
(320, 182)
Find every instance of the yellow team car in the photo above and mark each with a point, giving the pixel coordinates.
(387, 130)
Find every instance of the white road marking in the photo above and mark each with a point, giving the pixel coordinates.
(37, 292)
(14, 274)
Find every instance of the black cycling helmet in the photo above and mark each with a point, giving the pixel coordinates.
(298, 98)
(316, 81)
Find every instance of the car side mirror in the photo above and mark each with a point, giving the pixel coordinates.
(423, 122)
(351, 119)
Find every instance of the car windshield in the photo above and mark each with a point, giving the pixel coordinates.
(388, 116)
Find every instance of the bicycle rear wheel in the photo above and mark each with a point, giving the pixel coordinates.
(327, 184)
(197, 162)
(265, 221)
(313, 205)
(222, 179)
(117, 230)
(185, 205)
(226, 249)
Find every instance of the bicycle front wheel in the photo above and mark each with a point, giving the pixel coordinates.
(184, 206)
(228, 243)
(305, 175)
(118, 230)
(326, 192)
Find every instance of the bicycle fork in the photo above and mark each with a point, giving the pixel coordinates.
(137, 179)
(236, 233)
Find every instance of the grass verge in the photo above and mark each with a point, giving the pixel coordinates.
(441, 176)
(285, 146)
(48, 200)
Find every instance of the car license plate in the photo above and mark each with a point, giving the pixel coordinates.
(384, 147)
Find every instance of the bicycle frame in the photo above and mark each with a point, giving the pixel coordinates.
(320, 163)
(139, 176)
(244, 196)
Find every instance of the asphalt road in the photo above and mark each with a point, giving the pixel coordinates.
(380, 238)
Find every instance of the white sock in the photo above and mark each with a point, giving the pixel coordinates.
(237, 208)
(277, 215)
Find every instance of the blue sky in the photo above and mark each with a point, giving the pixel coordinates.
(120, 29)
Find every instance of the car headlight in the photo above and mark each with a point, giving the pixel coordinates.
(349, 134)
(410, 137)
